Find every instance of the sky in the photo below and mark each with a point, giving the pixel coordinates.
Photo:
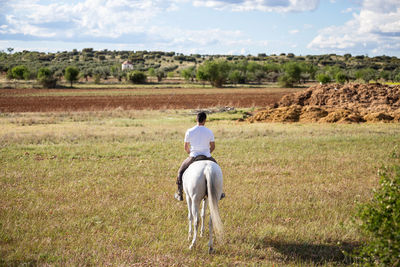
(237, 27)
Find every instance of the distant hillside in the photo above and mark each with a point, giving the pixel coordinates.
(107, 63)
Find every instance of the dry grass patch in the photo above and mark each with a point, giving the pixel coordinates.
(96, 189)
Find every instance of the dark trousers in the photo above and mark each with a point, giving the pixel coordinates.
(186, 163)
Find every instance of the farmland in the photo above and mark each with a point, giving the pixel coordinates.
(94, 186)
(44, 100)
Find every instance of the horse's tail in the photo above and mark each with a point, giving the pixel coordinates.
(213, 202)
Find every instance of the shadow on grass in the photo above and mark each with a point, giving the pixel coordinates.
(28, 263)
(311, 253)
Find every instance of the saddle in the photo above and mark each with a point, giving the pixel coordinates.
(202, 157)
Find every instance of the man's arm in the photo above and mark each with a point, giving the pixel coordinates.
(187, 147)
(212, 146)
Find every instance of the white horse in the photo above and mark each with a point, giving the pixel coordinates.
(200, 178)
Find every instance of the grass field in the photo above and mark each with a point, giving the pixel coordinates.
(140, 91)
(96, 188)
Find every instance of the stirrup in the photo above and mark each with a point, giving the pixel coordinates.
(178, 196)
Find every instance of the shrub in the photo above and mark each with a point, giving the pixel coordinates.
(286, 81)
(366, 74)
(137, 77)
(45, 78)
(341, 78)
(323, 78)
(385, 75)
(20, 73)
(380, 222)
(97, 78)
(397, 77)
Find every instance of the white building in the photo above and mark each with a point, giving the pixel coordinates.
(127, 65)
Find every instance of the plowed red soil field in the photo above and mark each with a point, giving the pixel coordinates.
(40, 100)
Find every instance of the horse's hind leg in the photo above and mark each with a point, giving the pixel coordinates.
(195, 214)
(210, 242)
(203, 216)
(190, 216)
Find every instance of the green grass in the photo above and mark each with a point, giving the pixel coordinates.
(141, 91)
(96, 188)
(174, 83)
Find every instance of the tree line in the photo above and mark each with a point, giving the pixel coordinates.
(288, 70)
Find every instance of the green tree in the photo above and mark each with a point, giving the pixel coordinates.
(20, 73)
(214, 71)
(189, 73)
(385, 75)
(397, 77)
(46, 78)
(311, 69)
(293, 72)
(235, 76)
(86, 72)
(332, 71)
(160, 74)
(242, 67)
(71, 74)
(323, 78)
(151, 72)
(137, 77)
(272, 67)
(255, 72)
(341, 77)
(286, 81)
(9, 75)
(116, 72)
(367, 74)
(379, 221)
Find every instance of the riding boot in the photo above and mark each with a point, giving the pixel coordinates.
(179, 194)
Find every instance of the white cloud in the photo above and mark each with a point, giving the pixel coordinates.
(260, 5)
(96, 18)
(124, 23)
(294, 31)
(376, 29)
(203, 40)
(347, 10)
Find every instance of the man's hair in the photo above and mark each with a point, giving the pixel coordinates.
(201, 117)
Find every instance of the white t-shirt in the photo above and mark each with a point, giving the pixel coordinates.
(199, 138)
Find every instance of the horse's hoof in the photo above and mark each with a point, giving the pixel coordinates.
(210, 250)
(190, 247)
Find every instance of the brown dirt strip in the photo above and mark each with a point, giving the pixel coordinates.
(175, 101)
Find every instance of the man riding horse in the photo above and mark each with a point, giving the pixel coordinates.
(199, 144)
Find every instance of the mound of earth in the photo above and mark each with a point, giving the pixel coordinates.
(336, 103)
